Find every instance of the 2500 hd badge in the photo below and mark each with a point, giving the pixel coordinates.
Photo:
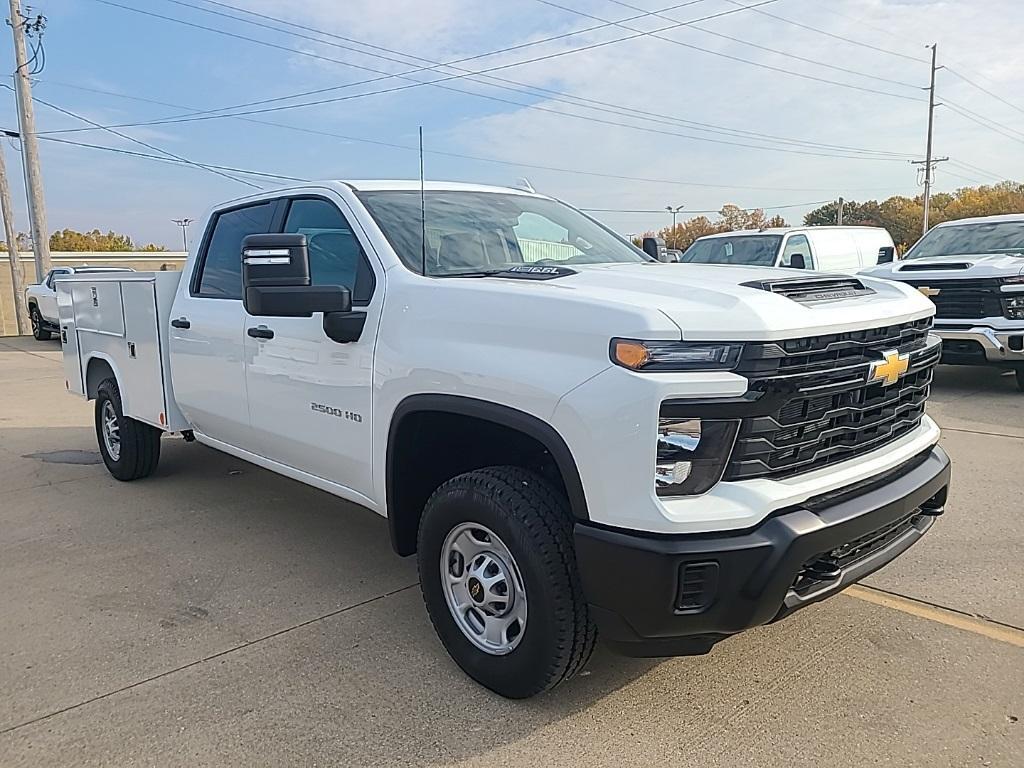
(331, 410)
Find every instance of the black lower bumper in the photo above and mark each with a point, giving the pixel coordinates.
(655, 595)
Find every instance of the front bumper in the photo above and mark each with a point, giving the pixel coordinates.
(660, 595)
(997, 345)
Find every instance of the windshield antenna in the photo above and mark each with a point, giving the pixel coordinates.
(423, 209)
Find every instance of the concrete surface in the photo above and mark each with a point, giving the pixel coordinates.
(217, 614)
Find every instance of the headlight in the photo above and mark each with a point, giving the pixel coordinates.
(674, 355)
(1013, 307)
(1015, 280)
(692, 454)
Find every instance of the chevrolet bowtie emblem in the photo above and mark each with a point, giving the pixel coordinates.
(929, 291)
(889, 370)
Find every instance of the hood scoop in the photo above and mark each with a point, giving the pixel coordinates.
(938, 267)
(813, 290)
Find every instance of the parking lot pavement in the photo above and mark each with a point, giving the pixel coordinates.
(217, 614)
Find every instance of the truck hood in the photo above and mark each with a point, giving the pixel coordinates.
(968, 267)
(712, 302)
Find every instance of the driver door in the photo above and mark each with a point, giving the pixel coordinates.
(310, 398)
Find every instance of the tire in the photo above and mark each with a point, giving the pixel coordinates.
(138, 444)
(39, 332)
(531, 520)
(1019, 373)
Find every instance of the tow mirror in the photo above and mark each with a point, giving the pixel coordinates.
(886, 254)
(276, 280)
(655, 248)
(797, 261)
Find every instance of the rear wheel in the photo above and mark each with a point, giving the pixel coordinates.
(130, 448)
(39, 332)
(1020, 378)
(498, 575)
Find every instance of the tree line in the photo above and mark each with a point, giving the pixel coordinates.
(72, 240)
(730, 218)
(901, 216)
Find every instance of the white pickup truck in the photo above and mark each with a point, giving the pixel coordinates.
(571, 440)
(973, 270)
(41, 298)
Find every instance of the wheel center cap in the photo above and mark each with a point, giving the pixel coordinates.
(476, 590)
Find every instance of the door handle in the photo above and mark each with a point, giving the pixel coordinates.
(181, 322)
(260, 332)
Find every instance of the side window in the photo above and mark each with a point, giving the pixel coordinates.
(335, 255)
(797, 244)
(221, 275)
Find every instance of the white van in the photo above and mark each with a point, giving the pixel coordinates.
(826, 249)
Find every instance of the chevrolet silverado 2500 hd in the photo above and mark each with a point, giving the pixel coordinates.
(973, 269)
(570, 436)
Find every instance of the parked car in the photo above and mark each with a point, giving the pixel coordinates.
(825, 249)
(42, 298)
(973, 271)
(594, 443)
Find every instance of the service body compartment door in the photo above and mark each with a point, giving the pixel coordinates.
(142, 387)
(73, 376)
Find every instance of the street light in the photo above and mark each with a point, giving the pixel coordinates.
(183, 223)
(674, 211)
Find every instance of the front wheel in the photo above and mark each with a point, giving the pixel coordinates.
(39, 332)
(498, 576)
(130, 448)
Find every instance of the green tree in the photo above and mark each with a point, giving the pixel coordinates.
(72, 240)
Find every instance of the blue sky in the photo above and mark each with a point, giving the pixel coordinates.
(641, 106)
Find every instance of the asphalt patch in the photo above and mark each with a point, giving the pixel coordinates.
(66, 457)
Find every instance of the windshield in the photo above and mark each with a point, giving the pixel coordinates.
(751, 250)
(473, 232)
(967, 239)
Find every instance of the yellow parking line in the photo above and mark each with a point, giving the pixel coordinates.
(989, 629)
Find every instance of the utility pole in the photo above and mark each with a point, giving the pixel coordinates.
(29, 142)
(839, 213)
(183, 223)
(20, 310)
(929, 163)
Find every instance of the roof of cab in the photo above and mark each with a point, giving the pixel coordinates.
(1008, 217)
(783, 231)
(404, 185)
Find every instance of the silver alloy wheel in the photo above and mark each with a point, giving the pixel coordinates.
(111, 431)
(34, 319)
(483, 588)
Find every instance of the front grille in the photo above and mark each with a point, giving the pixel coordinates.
(963, 299)
(823, 410)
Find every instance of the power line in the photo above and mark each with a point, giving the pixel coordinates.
(892, 157)
(138, 141)
(773, 50)
(572, 99)
(163, 158)
(657, 35)
(995, 96)
(976, 169)
(984, 122)
(834, 36)
(481, 158)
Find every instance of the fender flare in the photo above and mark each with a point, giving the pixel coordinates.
(502, 415)
(85, 372)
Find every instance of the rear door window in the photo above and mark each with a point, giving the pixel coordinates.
(221, 269)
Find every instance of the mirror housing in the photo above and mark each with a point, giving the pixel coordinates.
(886, 254)
(275, 260)
(655, 248)
(797, 261)
(276, 280)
